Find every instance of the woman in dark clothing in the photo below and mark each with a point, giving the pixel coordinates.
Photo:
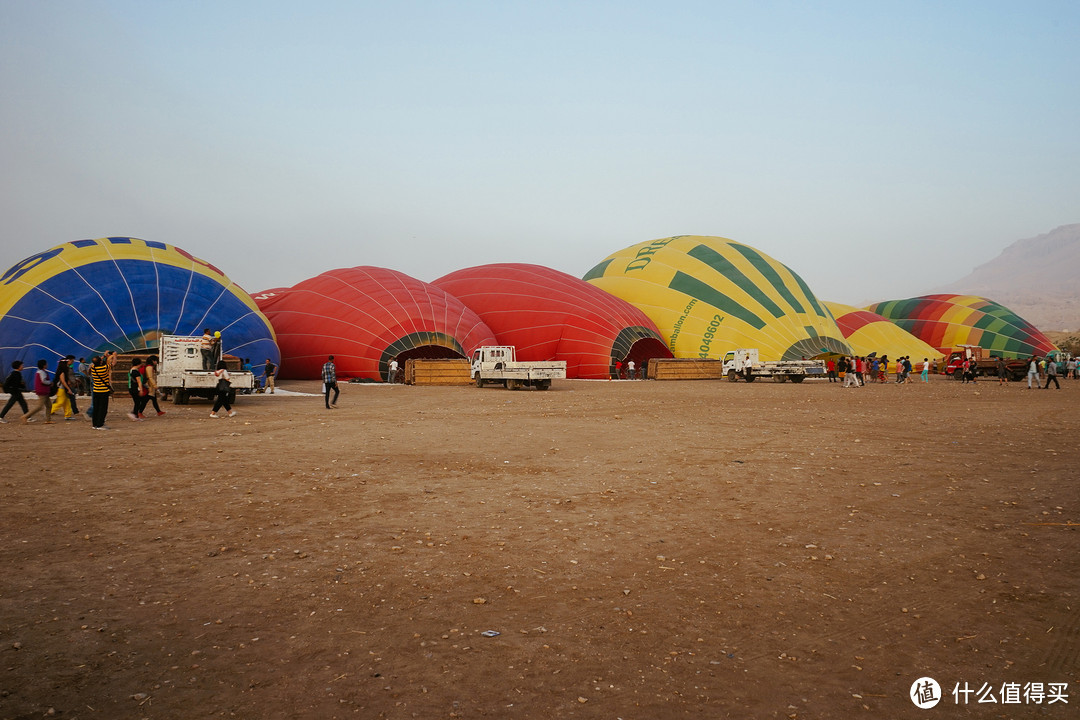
(224, 388)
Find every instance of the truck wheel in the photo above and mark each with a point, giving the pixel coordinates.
(479, 381)
(958, 374)
(544, 384)
(232, 396)
(180, 396)
(732, 376)
(780, 378)
(751, 378)
(797, 378)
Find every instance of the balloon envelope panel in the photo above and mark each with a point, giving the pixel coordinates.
(946, 321)
(708, 295)
(365, 317)
(90, 296)
(550, 315)
(868, 332)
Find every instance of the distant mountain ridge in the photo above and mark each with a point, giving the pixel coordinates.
(1038, 278)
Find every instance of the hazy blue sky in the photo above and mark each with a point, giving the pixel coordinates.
(878, 149)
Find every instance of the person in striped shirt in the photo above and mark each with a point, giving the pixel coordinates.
(101, 387)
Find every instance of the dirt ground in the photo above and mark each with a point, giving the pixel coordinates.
(644, 550)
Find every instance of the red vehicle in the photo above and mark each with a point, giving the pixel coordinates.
(988, 366)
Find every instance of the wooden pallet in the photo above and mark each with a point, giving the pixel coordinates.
(419, 371)
(685, 369)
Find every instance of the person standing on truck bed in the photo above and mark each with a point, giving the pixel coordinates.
(206, 346)
(329, 378)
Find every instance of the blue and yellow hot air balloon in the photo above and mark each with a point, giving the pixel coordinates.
(120, 293)
(708, 295)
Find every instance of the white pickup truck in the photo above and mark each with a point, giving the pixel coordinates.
(736, 363)
(497, 364)
(180, 371)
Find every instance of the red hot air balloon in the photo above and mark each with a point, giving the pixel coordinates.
(550, 315)
(365, 317)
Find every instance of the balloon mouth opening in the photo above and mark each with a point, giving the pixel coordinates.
(646, 349)
(427, 352)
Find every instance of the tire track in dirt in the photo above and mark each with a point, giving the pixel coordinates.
(1064, 653)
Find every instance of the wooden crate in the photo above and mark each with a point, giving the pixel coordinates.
(419, 371)
(685, 369)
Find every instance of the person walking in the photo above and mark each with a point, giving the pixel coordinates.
(137, 389)
(87, 382)
(850, 378)
(65, 392)
(14, 386)
(1033, 371)
(1002, 372)
(329, 378)
(269, 373)
(224, 389)
(73, 382)
(830, 369)
(100, 389)
(1051, 373)
(150, 375)
(391, 374)
(42, 390)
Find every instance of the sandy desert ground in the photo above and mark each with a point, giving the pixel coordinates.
(643, 550)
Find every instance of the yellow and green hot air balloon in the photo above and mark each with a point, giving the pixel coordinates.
(709, 295)
(869, 332)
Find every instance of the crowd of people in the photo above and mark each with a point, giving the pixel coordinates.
(57, 392)
(53, 393)
(856, 371)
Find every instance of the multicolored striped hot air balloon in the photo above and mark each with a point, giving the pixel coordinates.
(868, 332)
(120, 293)
(550, 315)
(366, 317)
(708, 295)
(946, 321)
